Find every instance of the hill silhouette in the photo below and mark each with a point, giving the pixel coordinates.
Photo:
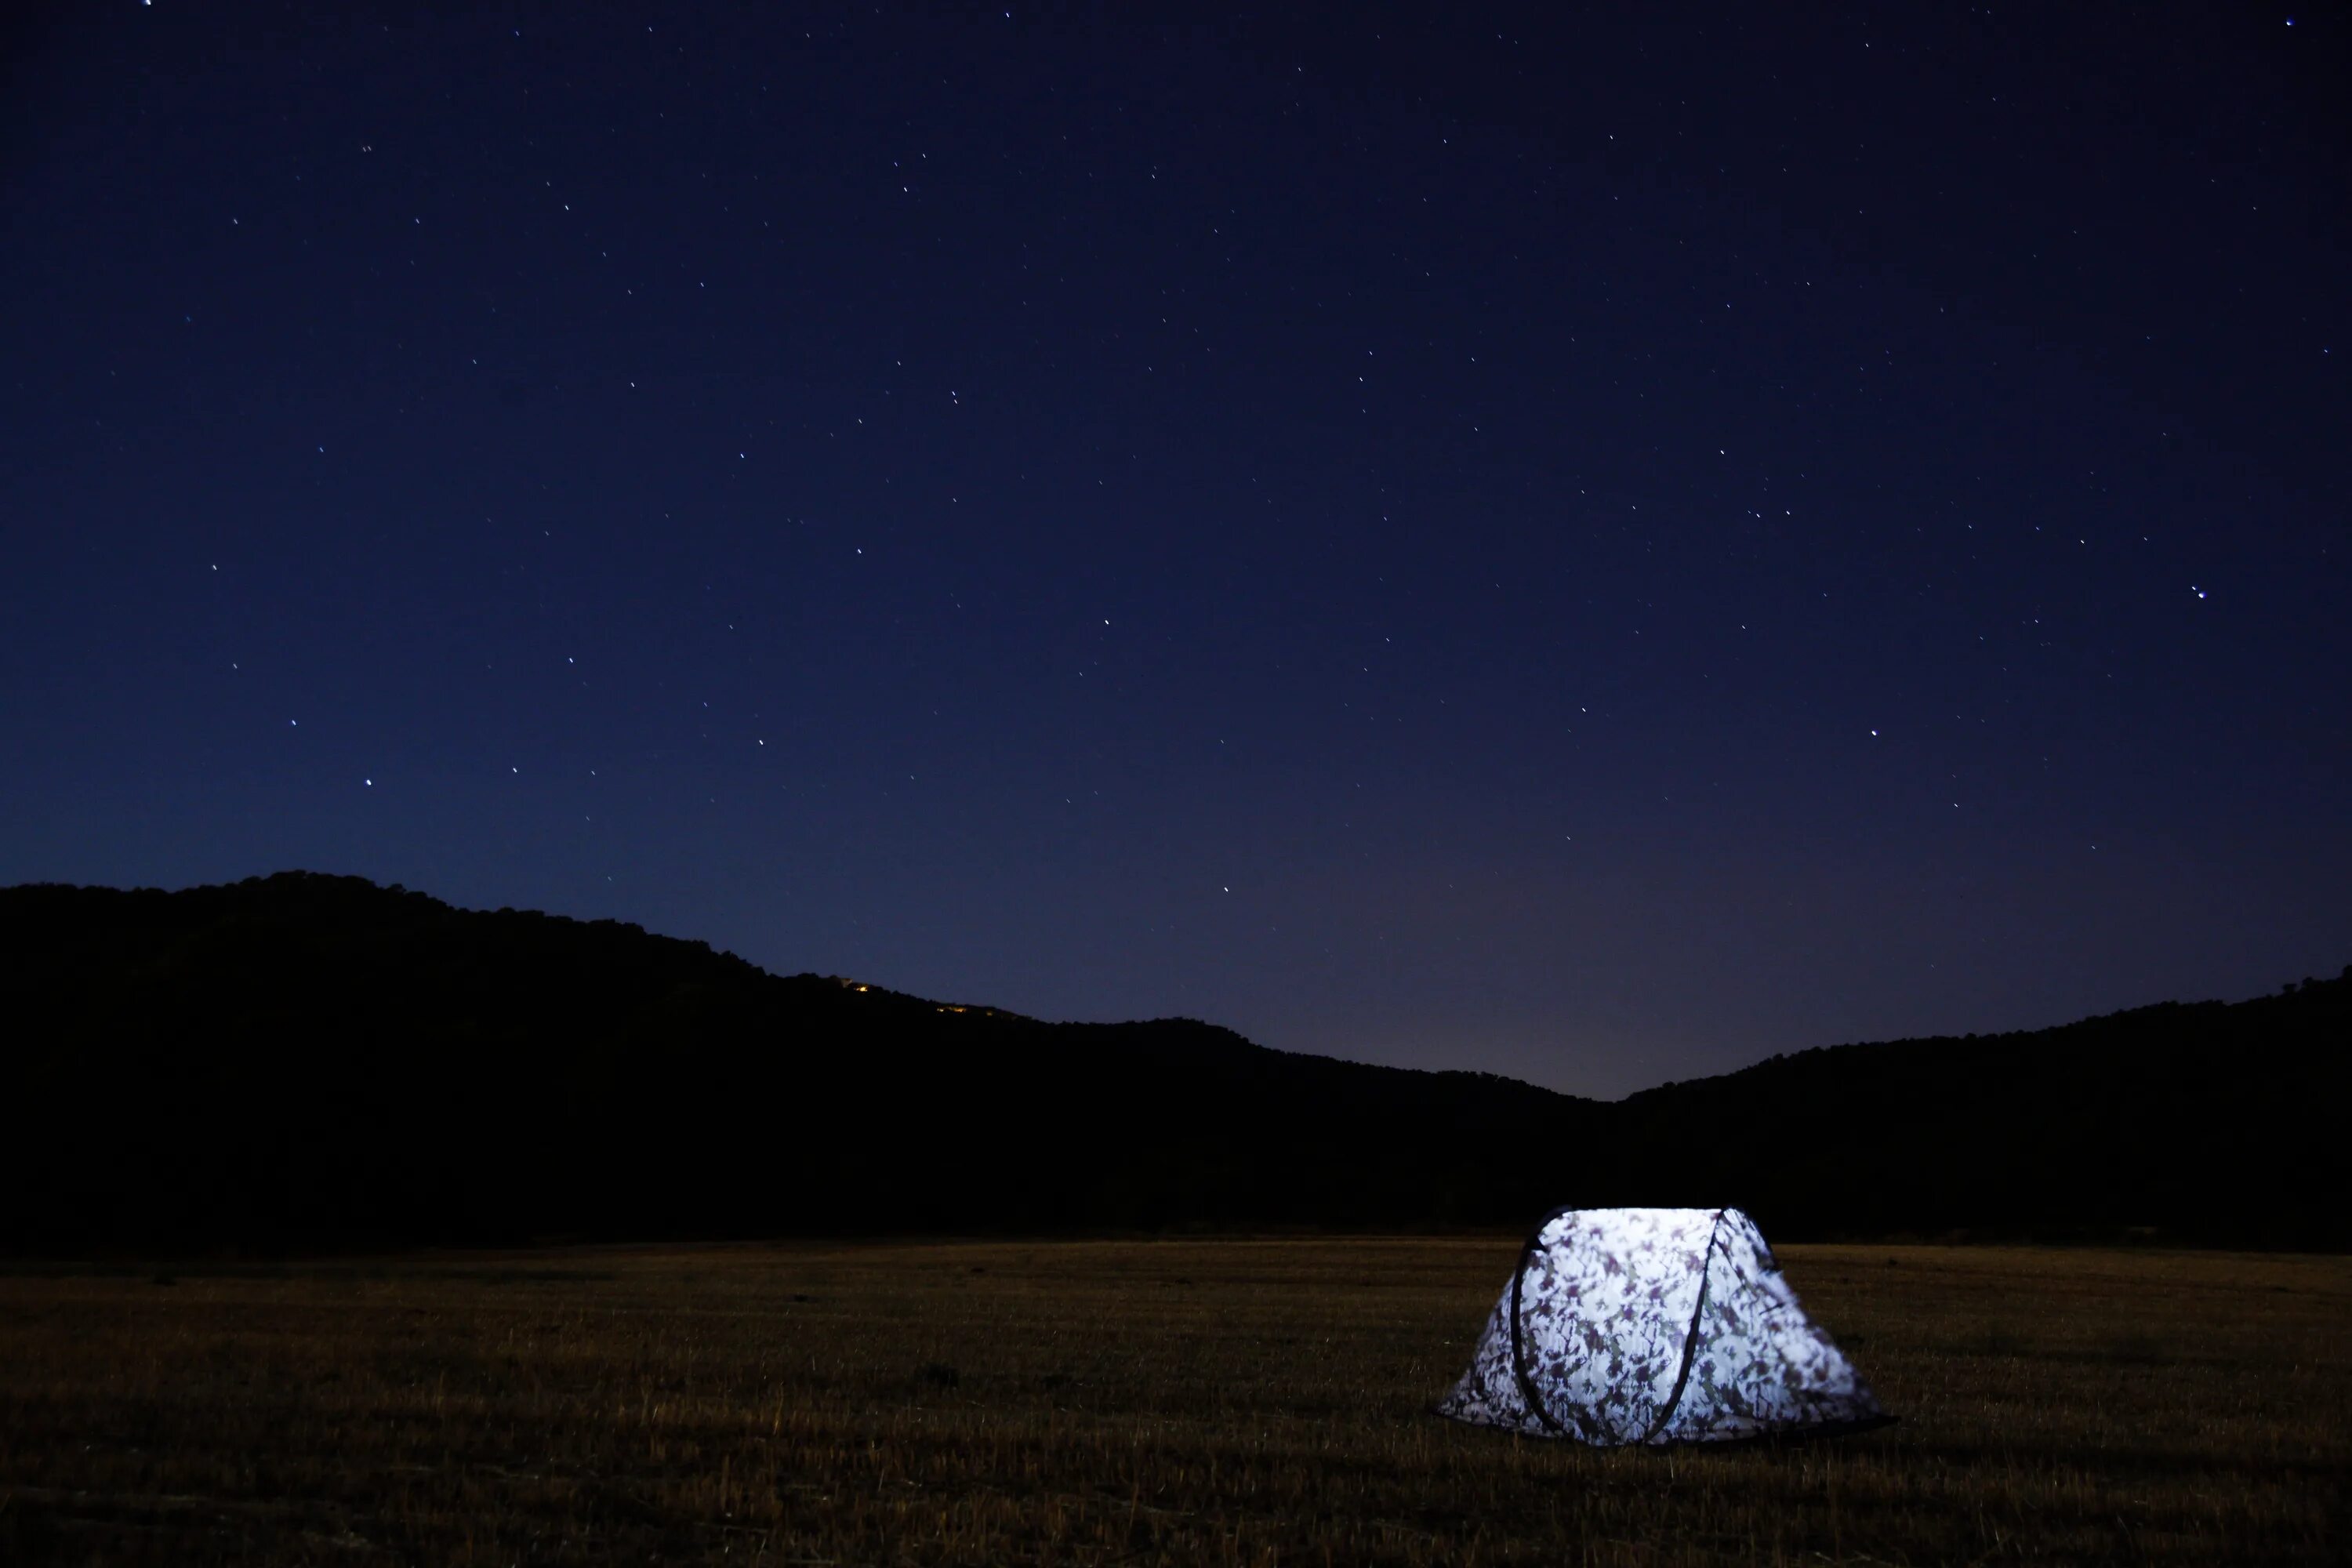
(305, 1061)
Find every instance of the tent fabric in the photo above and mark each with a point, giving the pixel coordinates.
(1643, 1325)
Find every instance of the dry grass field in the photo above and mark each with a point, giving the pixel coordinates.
(1242, 1402)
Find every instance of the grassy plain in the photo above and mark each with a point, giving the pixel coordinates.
(1154, 1401)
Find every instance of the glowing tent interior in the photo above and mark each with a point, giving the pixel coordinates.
(1626, 1326)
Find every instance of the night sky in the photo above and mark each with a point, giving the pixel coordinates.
(1597, 548)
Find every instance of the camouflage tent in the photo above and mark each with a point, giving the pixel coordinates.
(1655, 1326)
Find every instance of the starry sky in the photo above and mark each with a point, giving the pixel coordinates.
(1590, 543)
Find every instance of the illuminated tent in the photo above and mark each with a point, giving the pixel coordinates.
(1629, 1326)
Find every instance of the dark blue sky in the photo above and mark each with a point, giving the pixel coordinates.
(1597, 549)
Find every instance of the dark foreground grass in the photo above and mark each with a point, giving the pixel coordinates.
(1135, 1403)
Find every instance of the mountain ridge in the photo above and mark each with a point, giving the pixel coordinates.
(313, 1061)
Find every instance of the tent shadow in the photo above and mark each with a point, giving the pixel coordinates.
(1793, 1438)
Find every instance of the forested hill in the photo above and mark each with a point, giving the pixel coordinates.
(307, 1061)
(314, 1061)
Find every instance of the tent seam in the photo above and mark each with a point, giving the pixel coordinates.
(1690, 1340)
(1528, 1394)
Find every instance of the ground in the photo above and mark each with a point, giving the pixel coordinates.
(1147, 1402)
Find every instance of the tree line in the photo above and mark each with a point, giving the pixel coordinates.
(305, 1062)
